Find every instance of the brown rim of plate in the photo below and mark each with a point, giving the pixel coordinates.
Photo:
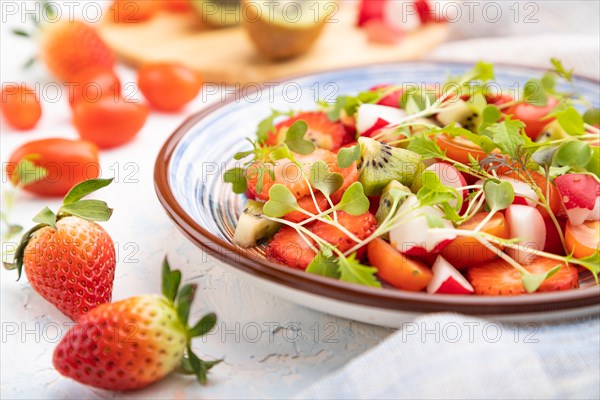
(390, 299)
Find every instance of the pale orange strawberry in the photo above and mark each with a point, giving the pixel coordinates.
(132, 343)
(67, 47)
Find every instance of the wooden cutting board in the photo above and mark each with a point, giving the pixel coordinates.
(228, 56)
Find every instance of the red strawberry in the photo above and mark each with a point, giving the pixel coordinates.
(68, 47)
(287, 173)
(371, 10)
(360, 225)
(70, 260)
(289, 248)
(498, 278)
(321, 131)
(307, 203)
(132, 343)
(392, 99)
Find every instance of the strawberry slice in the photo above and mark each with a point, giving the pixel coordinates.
(361, 226)
(498, 278)
(289, 248)
(392, 99)
(321, 131)
(371, 10)
(307, 203)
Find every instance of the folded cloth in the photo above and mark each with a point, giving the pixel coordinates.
(453, 356)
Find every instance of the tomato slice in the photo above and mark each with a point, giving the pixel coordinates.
(583, 240)
(533, 116)
(458, 148)
(397, 269)
(465, 251)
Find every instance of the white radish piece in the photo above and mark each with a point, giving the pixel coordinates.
(415, 237)
(449, 176)
(527, 224)
(580, 194)
(371, 117)
(447, 279)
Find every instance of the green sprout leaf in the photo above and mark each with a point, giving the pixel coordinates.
(84, 188)
(532, 282)
(434, 221)
(324, 265)
(322, 179)
(267, 125)
(46, 216)
(351, 270)
(571, 121)
(354, 201)
(535, 93)
(294, 138)
(592, 117)
(594, 165)
(281, 153)
(347, 155)
(281, 202)
(427, 148)
(507, 136)
(237, 178)
(498, 196)
(560, 70)
(544, 156)
(592, 263)
(574, 153)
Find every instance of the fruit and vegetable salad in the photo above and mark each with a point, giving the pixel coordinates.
(448, 188)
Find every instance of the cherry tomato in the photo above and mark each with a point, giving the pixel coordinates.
(583, 240)
(67, 162)
(552, 195)
(109, 122)
(459, 149)
(93, 83)
(177, 5)
(397, 269)
(533, 116)
(132, 11)
(168, 86)
(465, 252)
(21, 107)
(553, 242)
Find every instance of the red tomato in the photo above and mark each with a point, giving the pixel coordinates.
(177, 5)
(21, 107)
(67, 162)
(459, 149)
(397, 269)
(583, 240)
(132, 11)
(108, 122)
(168, 86)
(93, 83)
(533, 116)
(465, 251)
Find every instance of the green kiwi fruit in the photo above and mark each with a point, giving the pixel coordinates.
(463, 113)
(381, 163)
(552, 131)
(218, 13)
(252, 227)
(387, 199)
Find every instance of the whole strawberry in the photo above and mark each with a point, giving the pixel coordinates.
(134, 342)
(69, 46)
(69, 259)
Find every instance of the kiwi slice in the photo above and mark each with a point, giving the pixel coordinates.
(252, 227)
(218, 13)
(381, 163)
(552, 131)
(284, 29)
(463, 113)
(387, 199)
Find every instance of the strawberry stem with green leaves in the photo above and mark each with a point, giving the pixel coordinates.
(73, 205)
(181, 299)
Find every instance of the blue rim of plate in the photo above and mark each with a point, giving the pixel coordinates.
(391, 299)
